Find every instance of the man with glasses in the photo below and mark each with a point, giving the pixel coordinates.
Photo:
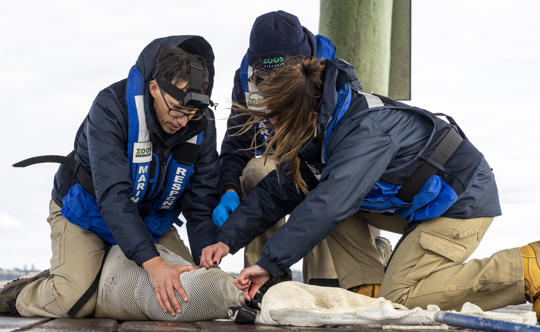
(145, 153)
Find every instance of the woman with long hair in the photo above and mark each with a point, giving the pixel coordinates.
(349, 159)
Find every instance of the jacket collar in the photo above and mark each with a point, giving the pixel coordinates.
(336, 73)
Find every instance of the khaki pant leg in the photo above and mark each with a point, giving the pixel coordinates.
(428, 267)
(356, 260)
(318, 263)
(172, 241)
(76, 259)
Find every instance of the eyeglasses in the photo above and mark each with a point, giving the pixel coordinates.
(258, 76)
(178, 113)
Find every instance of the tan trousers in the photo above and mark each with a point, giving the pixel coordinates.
(428, 266)
(76, 258)
(318, 263)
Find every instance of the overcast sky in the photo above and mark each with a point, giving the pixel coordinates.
(476, 60)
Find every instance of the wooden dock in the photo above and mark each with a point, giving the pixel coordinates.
(111, 325)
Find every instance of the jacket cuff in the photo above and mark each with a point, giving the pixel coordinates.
(142, 257)
(230, 184)
(229, 242)
(272, 269)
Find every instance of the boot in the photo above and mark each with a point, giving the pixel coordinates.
(530, 254)
(384, 247)
(9, 293)
(371, 290)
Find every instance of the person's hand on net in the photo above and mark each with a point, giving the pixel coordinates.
(250, 280)
(211, 255)
(165, 279)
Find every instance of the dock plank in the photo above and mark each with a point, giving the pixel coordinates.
(13, 323)
(77, 324)
(109, 325)
(225, 325)
(140, 326)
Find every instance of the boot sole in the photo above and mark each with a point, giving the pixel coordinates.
(11, 287)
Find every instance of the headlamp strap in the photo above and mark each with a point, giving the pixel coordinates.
(170, 88)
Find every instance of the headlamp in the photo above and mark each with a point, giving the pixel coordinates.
(193, 97)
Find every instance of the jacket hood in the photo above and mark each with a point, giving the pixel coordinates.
(191, 44)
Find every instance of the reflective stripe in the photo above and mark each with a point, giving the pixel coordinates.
(193, 140)
(144, 134)
(134, 87)
(373, 101)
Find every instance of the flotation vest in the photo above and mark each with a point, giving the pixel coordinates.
(325, 50)
(172, 176)
(423, 196)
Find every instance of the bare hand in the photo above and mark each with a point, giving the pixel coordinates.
(165, 278)
(212, 255)
(250, 280)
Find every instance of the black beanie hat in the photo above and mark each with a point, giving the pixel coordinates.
(274, 36)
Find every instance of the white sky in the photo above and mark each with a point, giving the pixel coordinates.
(476, 60)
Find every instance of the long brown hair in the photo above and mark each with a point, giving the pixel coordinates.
(292, 97)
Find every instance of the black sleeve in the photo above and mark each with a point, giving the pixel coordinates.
(200, 199)
(235, 152)
(106, 133)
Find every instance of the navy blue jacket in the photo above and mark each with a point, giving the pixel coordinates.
(101, 148)
(368, 145)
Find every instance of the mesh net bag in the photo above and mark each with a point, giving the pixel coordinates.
(125, 292)
(294, 303)
(116, 298)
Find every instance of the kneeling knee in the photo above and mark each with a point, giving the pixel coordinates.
(67, 295)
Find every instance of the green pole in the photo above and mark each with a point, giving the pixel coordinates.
(374, 36)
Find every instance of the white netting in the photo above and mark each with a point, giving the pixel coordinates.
(293, 303)
(116, 298)
(125, 291)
